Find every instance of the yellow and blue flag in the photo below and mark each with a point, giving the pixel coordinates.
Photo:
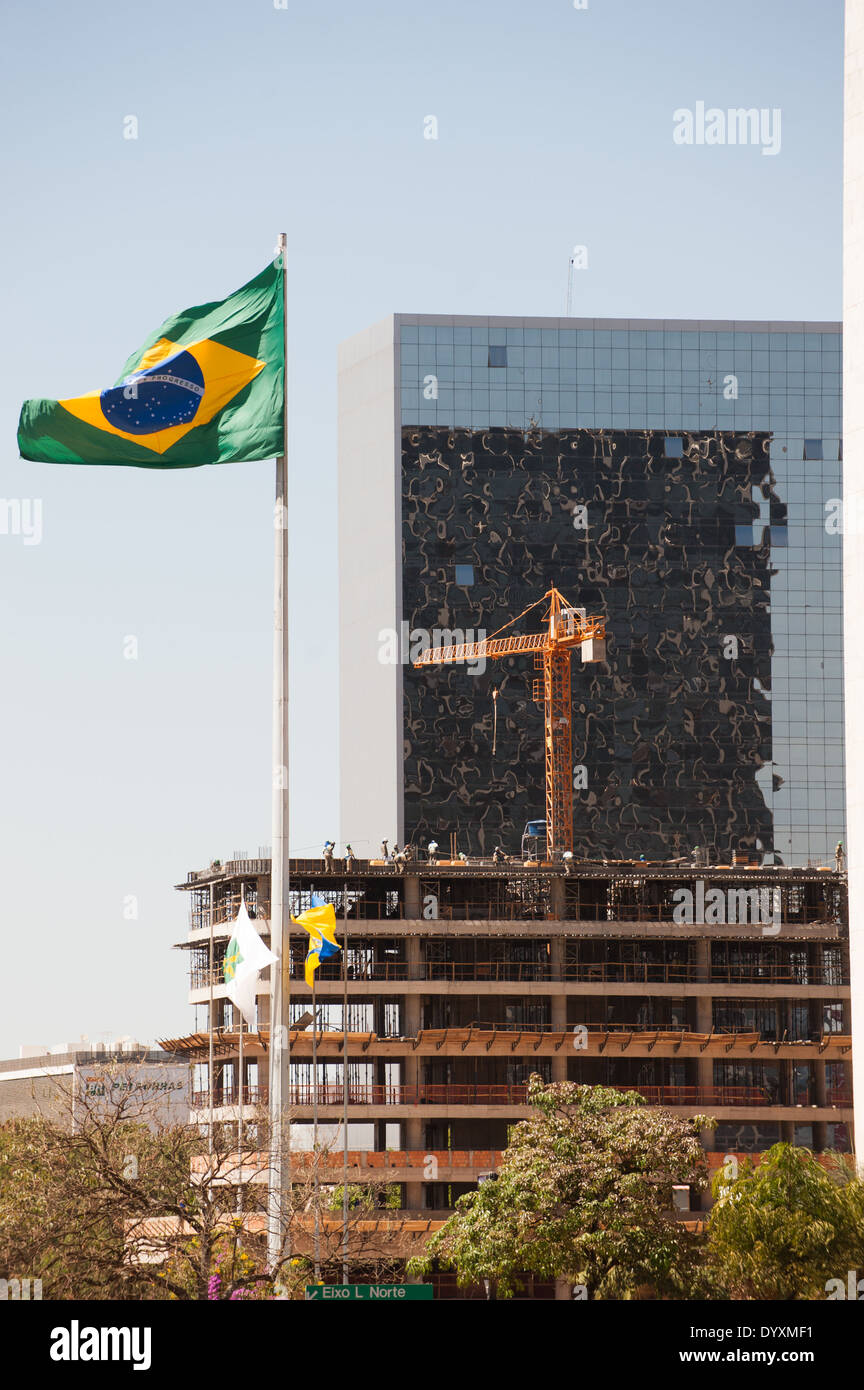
(320, 922)
(206, 387)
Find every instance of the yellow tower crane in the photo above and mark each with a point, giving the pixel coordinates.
(567, 627)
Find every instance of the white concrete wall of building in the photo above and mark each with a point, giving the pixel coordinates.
(370, 590)
(853, 530)
(159, 1090)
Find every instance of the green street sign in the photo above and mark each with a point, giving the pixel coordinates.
(380, 1293)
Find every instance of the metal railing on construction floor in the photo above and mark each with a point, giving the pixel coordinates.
(457, 1093)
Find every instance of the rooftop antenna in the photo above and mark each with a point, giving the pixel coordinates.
(568, 307)
(578, 261)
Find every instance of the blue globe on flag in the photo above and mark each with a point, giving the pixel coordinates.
(166, 394)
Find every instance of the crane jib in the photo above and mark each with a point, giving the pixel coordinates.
(494, 647)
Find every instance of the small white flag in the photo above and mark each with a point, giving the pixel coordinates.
(245, 958)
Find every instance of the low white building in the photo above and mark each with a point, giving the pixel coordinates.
(56, 1081)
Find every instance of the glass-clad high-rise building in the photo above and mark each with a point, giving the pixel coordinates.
(681, 479)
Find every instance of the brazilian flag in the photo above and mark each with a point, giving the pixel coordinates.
(206, 387)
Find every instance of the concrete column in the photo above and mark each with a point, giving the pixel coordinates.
(413, 1131)
(414, 957)
(558, 1003)
(411, 1076)
(413, 908)
(705, 1071)
(820, 1129)
(704, 1009)
(557, 899)
(412, 1003)
(821, 1082)
(704, 1013)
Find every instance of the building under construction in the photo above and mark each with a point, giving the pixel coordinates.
(719, 989)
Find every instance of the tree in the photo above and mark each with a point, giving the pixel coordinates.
(584, 1192)
(108, 1200)
(783, 1229)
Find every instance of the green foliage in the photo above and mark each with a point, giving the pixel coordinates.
(66, 1201)
(584, 1193)
(109, 1202)
(783, 1229)
(362, 1198)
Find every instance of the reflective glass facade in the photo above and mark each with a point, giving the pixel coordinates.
(683, 479)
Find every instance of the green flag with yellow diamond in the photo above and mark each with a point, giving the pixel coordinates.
(206, 387)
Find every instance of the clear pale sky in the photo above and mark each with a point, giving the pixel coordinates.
(554, 129)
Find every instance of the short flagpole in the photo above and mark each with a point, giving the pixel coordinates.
(315, 1154)
(240, 1123)
(279, 1187)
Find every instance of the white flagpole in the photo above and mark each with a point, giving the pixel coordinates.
(316, 1155)
(240, 1114)
(345, 1085)
(240, 1024)
(279, 1212)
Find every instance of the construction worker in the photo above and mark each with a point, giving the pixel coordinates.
(385, 852)
(432, 851)
(400, 857)
(567, 856)
(349, 858)
(498, 855)
(327, 855)
(839, 857)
